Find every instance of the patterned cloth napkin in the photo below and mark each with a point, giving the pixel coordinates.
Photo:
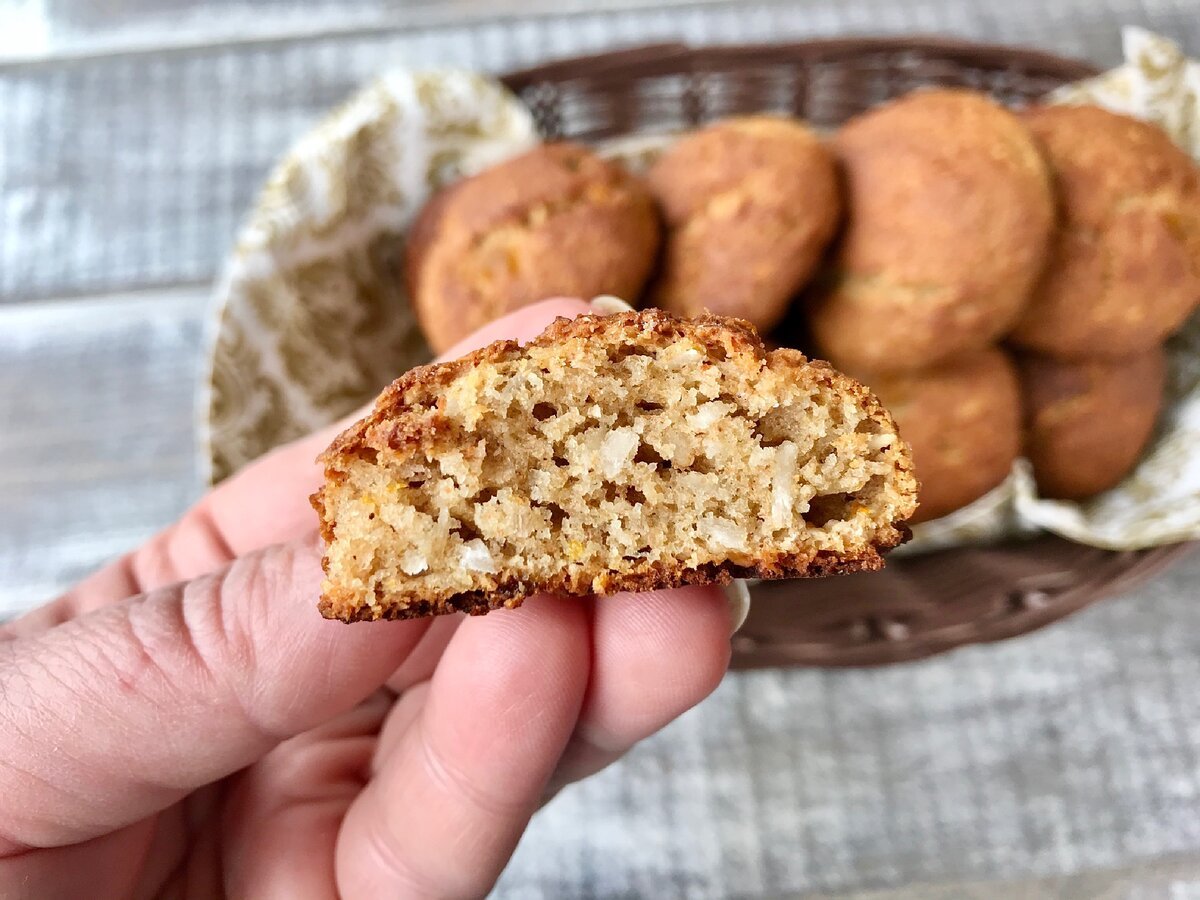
(311, 317)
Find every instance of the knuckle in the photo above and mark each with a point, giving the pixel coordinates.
(195, 545)
(148, 568)
(218, 636)
(198, 544)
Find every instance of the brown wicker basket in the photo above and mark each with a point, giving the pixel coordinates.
(921, 605)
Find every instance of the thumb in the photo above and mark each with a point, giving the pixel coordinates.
(115, 715)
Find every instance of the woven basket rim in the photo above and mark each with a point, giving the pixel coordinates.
(667, 53)
(762, 645)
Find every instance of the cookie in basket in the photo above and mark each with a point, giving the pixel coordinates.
(750, 206)
(1124, 269)
(555, 221)
(963, 422)
(949, 211)
(1087, 423)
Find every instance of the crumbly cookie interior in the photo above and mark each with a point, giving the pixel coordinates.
(565, 467)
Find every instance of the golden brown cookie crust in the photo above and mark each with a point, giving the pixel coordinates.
(963, 422)
(750, 206)
(1124, 269)
(409, 420)
(949, 210)
(555, 221)
(1087, 423)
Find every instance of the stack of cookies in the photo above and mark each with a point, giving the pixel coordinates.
(1003, 281)
(1123, 274)
(949, 214)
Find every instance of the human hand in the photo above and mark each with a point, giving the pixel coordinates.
(183, 723)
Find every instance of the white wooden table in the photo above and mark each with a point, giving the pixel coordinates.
(1066, 763)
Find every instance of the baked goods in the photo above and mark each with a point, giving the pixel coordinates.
(1124, 271)
(1087, 423)
(556, 221)
(950, 217)
(949, 210)
(750, 205)
(628, 452)
(963, 422)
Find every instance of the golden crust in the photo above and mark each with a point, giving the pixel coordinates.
(1124, 269)
(345, 606)
(406, 418)
(556, 221)
(420, 388)
(1087, 423)
(963, 422)
(750, 206)
(949, 209)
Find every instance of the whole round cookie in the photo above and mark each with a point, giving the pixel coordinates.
(949, 210)
(556, 221)
(750, 206)
(963, 421)
(1087, 423)
(1124, 268)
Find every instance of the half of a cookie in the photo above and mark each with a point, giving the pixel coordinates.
(620, 453)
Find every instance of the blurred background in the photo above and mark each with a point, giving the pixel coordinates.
(133, 137)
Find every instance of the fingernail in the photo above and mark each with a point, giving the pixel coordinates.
(607, 305)
(738, 596)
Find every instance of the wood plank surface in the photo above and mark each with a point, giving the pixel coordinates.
(1065, 763)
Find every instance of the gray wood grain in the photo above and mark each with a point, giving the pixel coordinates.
(96, 432)
(129, 150)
